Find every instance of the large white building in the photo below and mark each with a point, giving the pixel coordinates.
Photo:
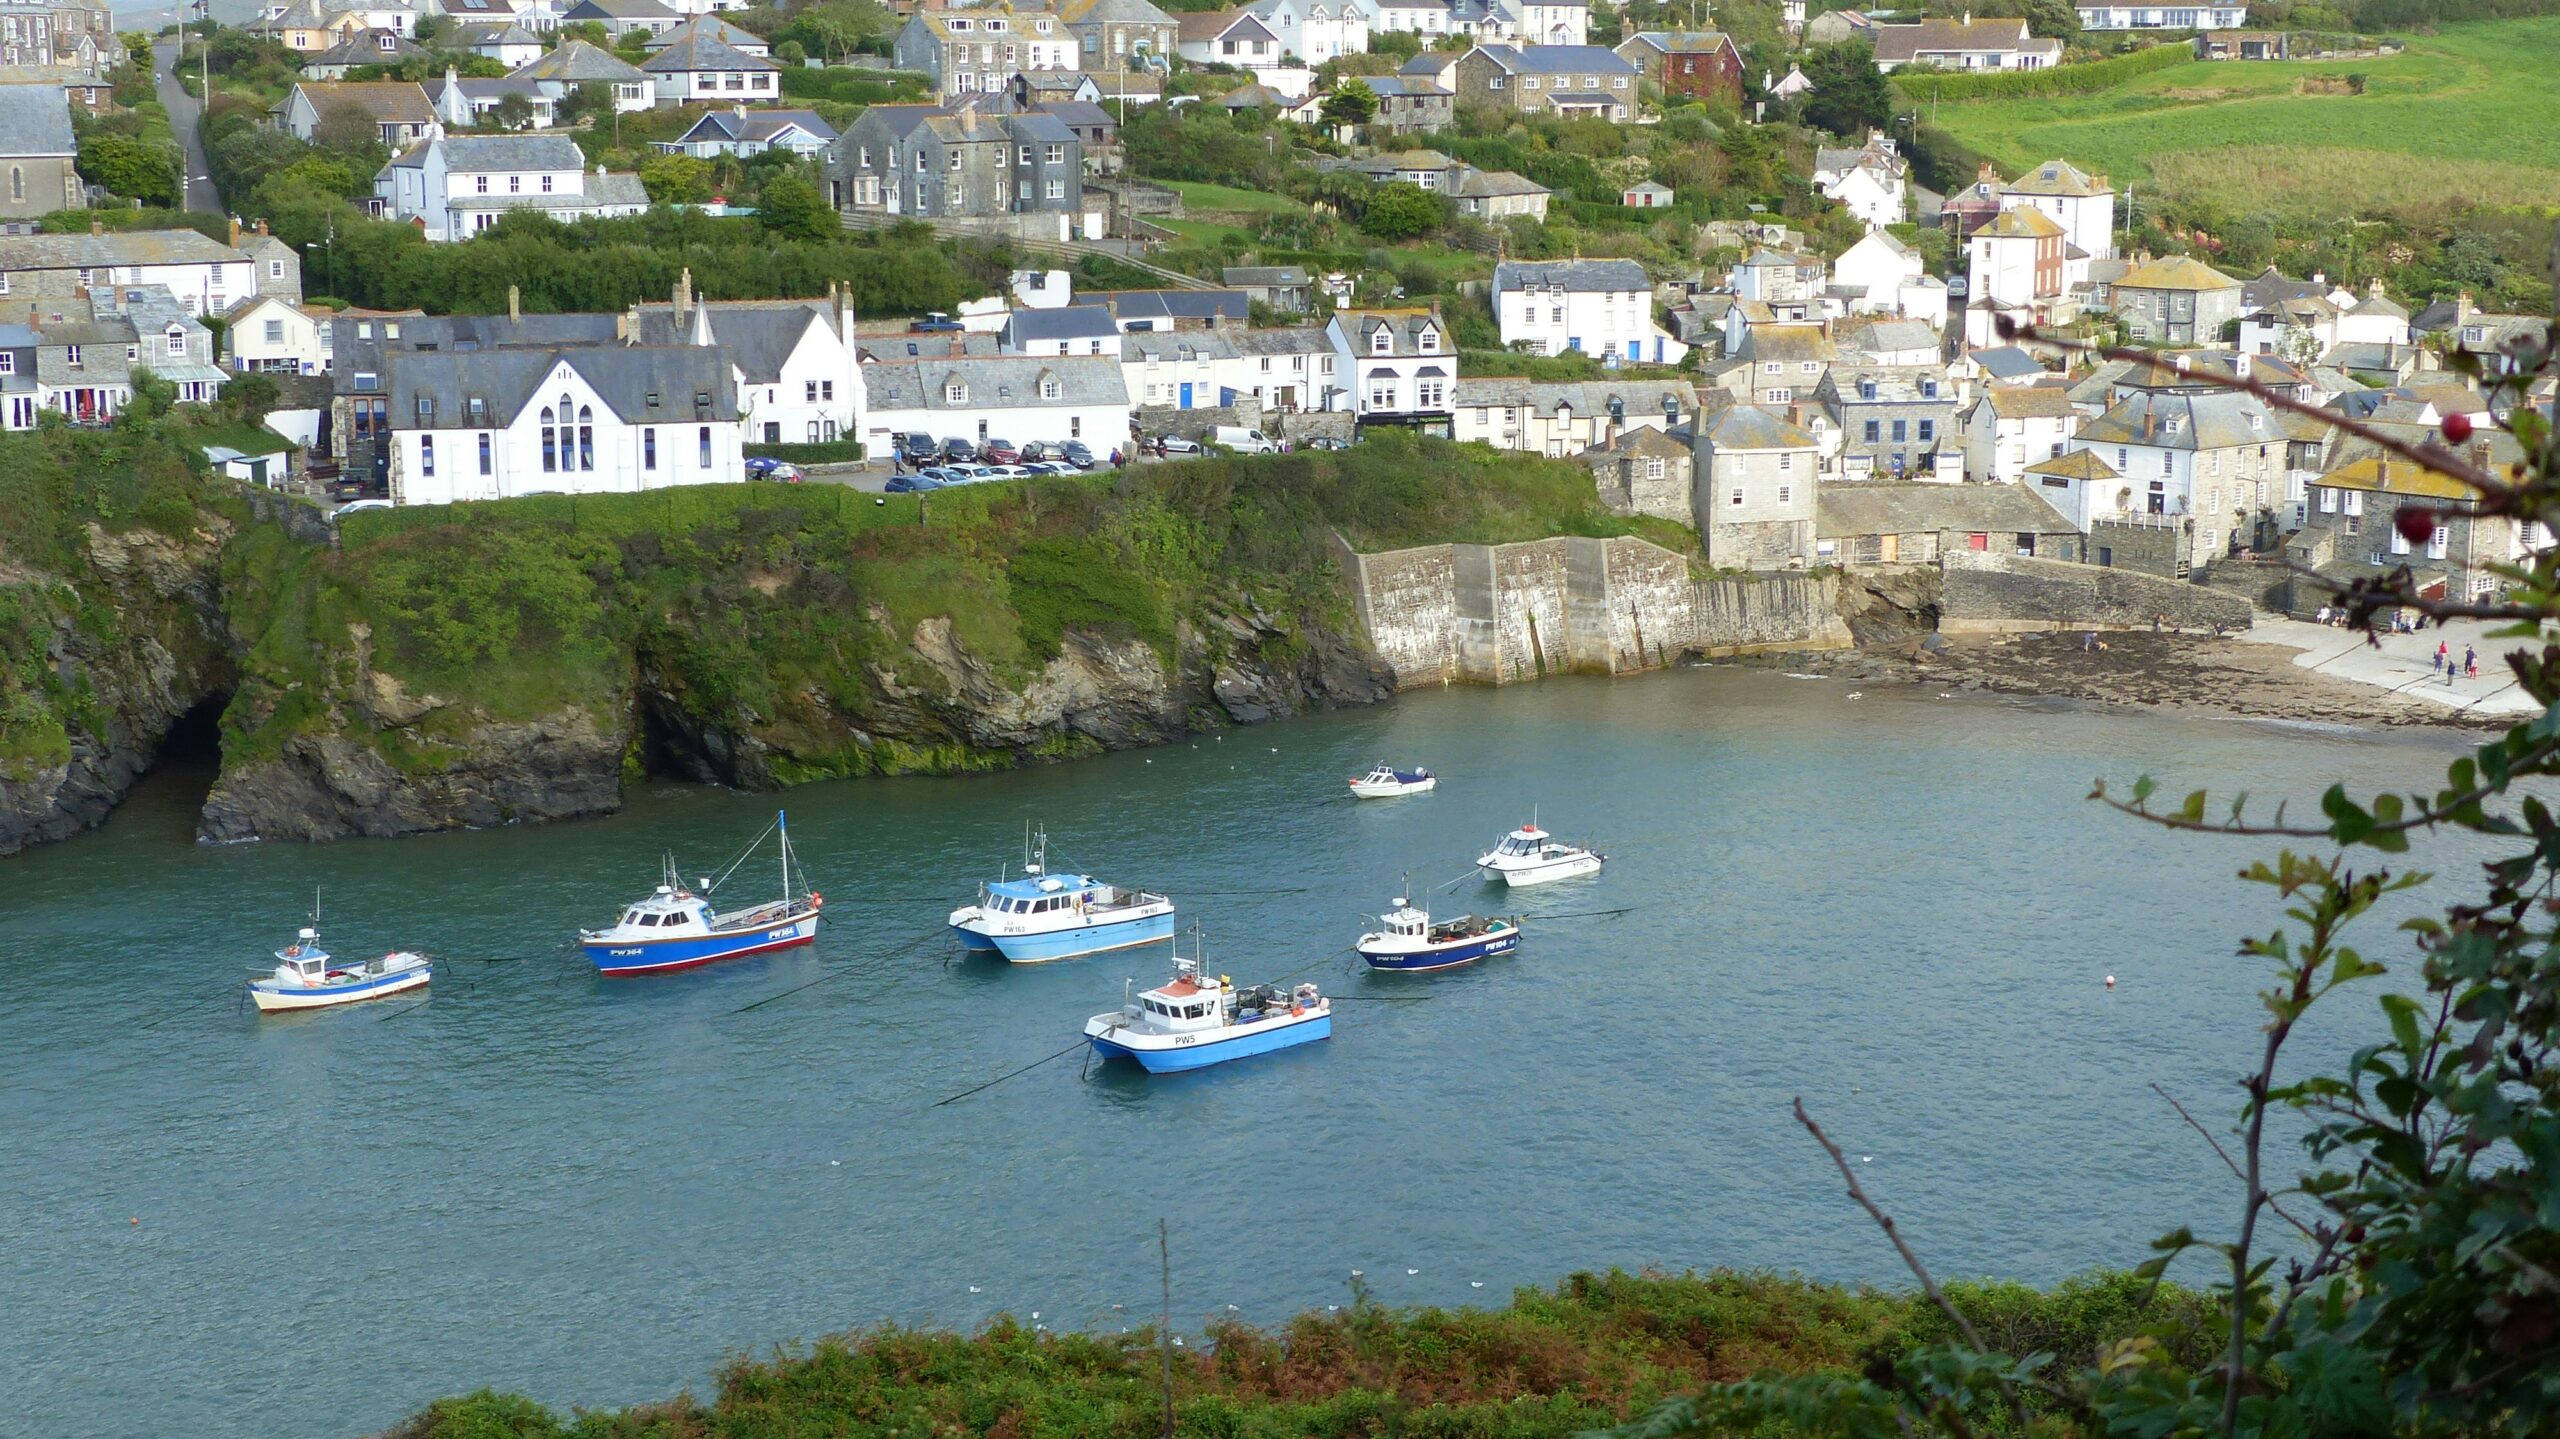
(794, 365)
(1022, 398)
(1398, 364)
(1601, 308)
(455, 186)
(496, 424)
(2164, 17)
(1317, 30)
(2084, 205)
(205, 275)
(1887, 277)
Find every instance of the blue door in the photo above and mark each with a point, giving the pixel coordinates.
(1186, 396)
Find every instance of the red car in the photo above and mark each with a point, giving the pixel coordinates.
(1000, 452)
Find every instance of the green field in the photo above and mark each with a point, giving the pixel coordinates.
(1202, 197)
(2470, 115)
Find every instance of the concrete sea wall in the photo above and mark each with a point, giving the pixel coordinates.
(1498, 614)
(1997, 594)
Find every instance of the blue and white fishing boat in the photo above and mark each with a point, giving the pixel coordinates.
(306, 977)
(1388, 782)
(676, 927)
(1192, 1022)
(1043, 917)
(1407, 942)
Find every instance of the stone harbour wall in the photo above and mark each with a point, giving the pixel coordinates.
(1499, 614)
(2002, 594)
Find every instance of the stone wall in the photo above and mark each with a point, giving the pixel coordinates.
(1300, 426)
(2145, 547)
(1998, 594)
(1197, 421)
(1497, 614)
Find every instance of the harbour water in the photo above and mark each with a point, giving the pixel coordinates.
(1896, 905)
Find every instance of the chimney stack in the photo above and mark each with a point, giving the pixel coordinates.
(684, 293)
(97, 226)
(515, 304)
(235, 232)
(2480, 452)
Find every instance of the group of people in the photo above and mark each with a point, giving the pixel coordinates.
(2445, 666)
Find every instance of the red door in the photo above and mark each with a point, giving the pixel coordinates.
(1977, 542)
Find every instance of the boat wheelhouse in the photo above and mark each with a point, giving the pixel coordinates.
(676, 928)
(1388, 782)
(1192, 1022)
(1530, 855)
(1043, 917)
(1407, 942)
(306, 977)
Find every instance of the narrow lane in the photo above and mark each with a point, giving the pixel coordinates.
(183, 110)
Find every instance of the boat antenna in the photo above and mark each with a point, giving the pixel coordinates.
(782, 824)
(1035, 849)
(315, 906)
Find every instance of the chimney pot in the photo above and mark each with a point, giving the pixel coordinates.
(235, 232)
(97, 226)
(515, 303)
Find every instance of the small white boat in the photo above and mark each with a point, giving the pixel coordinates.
(1387, 782)
(1530, 855)
(305, 977)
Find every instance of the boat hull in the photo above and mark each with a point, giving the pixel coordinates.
(1363, 789)
(1174, 1053)
(1545, 873)
(1440, 956)
(276, 1000)
(622, 959)
(974, 939)
(1050, 946)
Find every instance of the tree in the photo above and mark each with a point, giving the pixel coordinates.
(2053, 19)
(135, 169)
(790, 52)
(1403, 212)
(838, 27)
(675, 179)
(251, 396)
(791, 206)
(1849, 96)
(1352, 103)
(345, 129)
(512, 112)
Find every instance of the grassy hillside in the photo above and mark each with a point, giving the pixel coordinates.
(1594, 1351)
(2468, 116)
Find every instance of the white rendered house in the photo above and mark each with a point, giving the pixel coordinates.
(1398, 366)
(1022, 398)
(496, 424)
(1602, 308)
(1317, 30)
(456, 186)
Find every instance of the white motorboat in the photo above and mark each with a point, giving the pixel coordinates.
(1388, 782)
(1530, 855)
(305, 977)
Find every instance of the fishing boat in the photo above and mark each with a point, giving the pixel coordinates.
(1043, 917)
(1407, 942)
(1388, 782)
(1192, 1022)
(306, 977)
(1530, 855)
(676, 927)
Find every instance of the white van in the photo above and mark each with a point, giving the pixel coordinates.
(1242, 441)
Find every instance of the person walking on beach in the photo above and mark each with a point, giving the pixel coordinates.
(2470, 663)
(2444, 656)
(2435, 662)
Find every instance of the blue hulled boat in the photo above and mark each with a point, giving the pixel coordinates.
(1407, 942)
(1192, 1022)
(676, 928)
(1043, 917)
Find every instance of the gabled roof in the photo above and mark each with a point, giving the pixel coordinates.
(2029, 402)
(1111, 12)
(368, 47)
(1198, 26)
(1647, 441)
(1579, 276)
(114, 248)
(2184, 420)
(2177, 272)
(2059, 178)
(1263, 276)
(702, 51)
(35, 120)
(473, 154)
(1556, 59)
(1067, 322)
(1475, 184)
(1404, 325)
(617, 10)
(713, 26)
(2076, 465)
(2008, 362)
(993, 382)
(759, 335)
(1935, 37)
(1638, 400)
(2380, 474)
(755, 125)
(389, 102)
(1877, 336)
(510, 382)
(1078, 114)
(1416, 87)
(1849, 511)
(471, 35)
(1679, 42)
(579, 63)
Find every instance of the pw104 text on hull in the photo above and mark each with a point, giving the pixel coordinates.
(1192, 1022)
(1407, 942)
(676, 928)
(1043, 917)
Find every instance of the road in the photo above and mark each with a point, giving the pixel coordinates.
(183, 110)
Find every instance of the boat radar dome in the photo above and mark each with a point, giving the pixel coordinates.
(309, 933)
(666, 889)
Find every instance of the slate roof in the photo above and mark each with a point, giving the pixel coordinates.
(617, 10)
(510, 382)
(2268, 287)
(485, 88)
(365, 48)
(2059, 178)
(127, 247)
(2075, 465)
(35, 120)
(1178, 345)
(1169, 305)
(1263, 276)
(1067, 322)
(2029, 402)
(1416, 87)
(2377, 304)
(389, 102)
(578, 63)
(1474, 184)
(755, 125)
(1786, 342)
(2384, 475)
(1894, 385)
(1903, 43)
(471, 35)
(1557, 59)
(597, 191)
(1638, 399)
(2177, 272)
(1405, 325)
(2020, 224)
(1849, 511)
(2181, 420)
(1751, 427)
(472, 154)
(758, 334)
(1112, 12)
(1203, 25)
(1876, 336)
(1285, 340)
(709, 25)
(1679, 42)
(702, 51)
(993, 382)
(1576, 276)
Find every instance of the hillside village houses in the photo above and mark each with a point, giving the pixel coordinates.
(59, 35)
(577, 63)
(1964, 44)
(371, 47)
(2015, 270)
(965, 52)
(1022, 398)
(1602, 308)
(1880, 275)
(1315, 31)
(1870, 182)
(1581, 80)
(1397, 367)
(454, 186)
(1409, 105)
(38, 148)
(1696, 64)
(2010, 427)
(701, 69)
(1755, 485)
(206, 276)
(2177, 301)
(1563, 418)
(398, 110)
(951, 161)
(468, 104)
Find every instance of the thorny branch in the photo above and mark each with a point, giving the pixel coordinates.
(2232, 1164)
(1884, 1221)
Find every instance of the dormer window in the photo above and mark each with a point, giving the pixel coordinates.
(177, 338)
(955, 393)
(1049, 387)
(1381, 342)
(1428, 341)
(957, 25)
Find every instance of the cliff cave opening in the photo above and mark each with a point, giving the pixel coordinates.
(675, 744)
(194, 740)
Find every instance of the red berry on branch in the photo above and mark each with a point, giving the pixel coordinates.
(2415, 525)
(2457, 428)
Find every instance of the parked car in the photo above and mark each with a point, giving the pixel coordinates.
(956, 448)
(936, 323)
(347, 490)
(780, 471)
(918, 448)
(1327, 442)
(1177, 445)
(963, 474)
(1242, 440)
(353, 506)
(914, 484)
(1039, 450)
(1074, 452)
(1050, 467)
(1001, 452)
(1005, 472)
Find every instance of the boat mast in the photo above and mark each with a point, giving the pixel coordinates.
(782, 823)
